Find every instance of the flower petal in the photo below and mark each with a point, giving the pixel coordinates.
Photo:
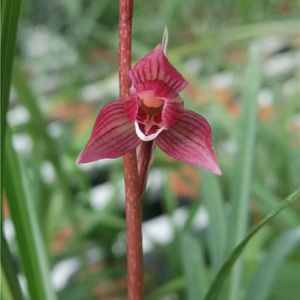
(173, 107)
(131, 107)
(190, 141)
(155, 66)
(112, 136)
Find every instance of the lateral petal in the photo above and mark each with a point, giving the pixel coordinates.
(173, 107)
(155, 66)
(112, 136)
(190, 141)
(131, 107)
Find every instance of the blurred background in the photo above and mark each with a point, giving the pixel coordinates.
(241, 59)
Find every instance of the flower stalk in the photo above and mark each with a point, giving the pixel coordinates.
(150, 114)
(145, 161)
(132, 194)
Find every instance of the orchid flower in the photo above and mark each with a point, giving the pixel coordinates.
(153, 110)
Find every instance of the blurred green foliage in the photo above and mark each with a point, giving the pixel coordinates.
(240, 58)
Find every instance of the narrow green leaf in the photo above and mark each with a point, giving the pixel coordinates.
(233, 35)
(10, 13)
(193, 210)
(167, 288)
(216, 230)
(28, 99)
(28, 235)
(8, 272)
(217, 283)
(170, 200)
(242, 167)
(6, 292)
(268, 200)
(106, 219)
(194, 267)
(262, 280)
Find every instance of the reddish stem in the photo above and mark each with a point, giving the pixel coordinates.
(133, 202)
(145, 160)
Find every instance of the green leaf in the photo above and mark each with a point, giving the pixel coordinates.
(30, 244)
(6, 292)
(268, 200)
(10, 13)
(213, 200)
(262, 280)
(28, 99)
(232, 35)
(10, 285)
(242, 167)
(92, 219)
(167, 288)
(194, 267)
(217, 283)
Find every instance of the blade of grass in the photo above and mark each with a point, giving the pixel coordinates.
(194, 267)
(28, 235)
(170, 200)
(172, 286)
(93, 219)
(9, 280)
(242, 168)
(262, 280)
(6, 292)
(219, 279)
(238, 34)
(27, 98)
(10, 13)
(193, 210)
(267, 200)
(216, 230)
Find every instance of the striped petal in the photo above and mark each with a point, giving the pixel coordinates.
(131, 107)
(190, 141)
(112, 136)
(173, 107)
(155, 66)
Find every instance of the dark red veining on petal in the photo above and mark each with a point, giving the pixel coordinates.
(190, 141)
(155, 66)
(112, 135)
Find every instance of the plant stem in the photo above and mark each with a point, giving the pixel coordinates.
(133, 202)
(144, 163)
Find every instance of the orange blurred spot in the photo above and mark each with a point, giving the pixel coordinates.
(236, 56)
(79, 112)
(61, 239)
(235, 109)
(224, 96)
(266, 113)
(185, 182)
(193, 91)
(5, 208)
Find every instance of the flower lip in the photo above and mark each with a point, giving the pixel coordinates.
(144, 136)
(150, 100)
(172, 108)
(148, 123)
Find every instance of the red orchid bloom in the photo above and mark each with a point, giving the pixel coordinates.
(152, 111)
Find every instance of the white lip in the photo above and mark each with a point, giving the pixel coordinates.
(148, 137)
